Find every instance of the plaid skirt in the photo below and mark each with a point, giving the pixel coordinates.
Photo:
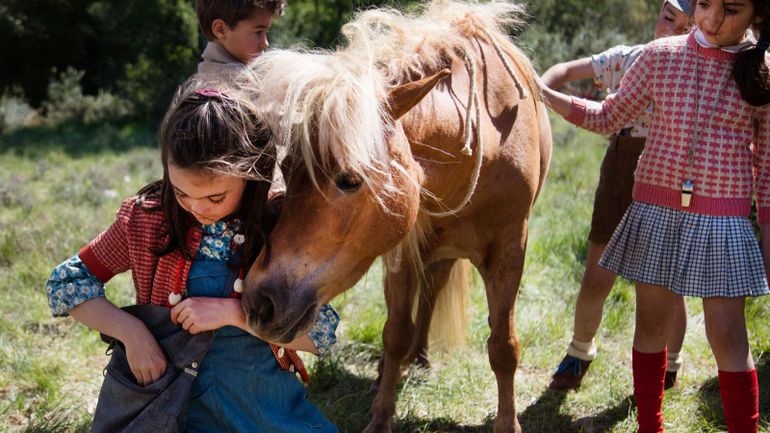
(691, 254)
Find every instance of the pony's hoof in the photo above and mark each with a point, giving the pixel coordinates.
(422, 360)
(506, 427)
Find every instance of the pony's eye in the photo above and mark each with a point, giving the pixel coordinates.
(347, 182)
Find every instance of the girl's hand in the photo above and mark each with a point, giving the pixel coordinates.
(145, 357)
(200, 314)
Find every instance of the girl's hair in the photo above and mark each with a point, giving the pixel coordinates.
(750, 69)
(232, 11)
(213, 127)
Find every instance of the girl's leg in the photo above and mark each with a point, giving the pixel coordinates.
(675, 340)
(654, 318)
(726, 332)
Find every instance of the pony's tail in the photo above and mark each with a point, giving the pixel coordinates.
(450, 316)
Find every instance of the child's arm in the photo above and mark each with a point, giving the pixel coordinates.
(617, 110)
(199, 314)
(145, 357)
(562, 73)
(557, 76)
(74, 290)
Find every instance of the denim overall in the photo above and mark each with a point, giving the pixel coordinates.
(240, 387)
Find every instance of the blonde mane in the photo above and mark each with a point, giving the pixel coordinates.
(410, 46)
(329, 106)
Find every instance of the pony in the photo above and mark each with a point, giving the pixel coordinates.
(424, 140)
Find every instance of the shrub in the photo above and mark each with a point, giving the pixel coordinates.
(15, 112)
(67, 103)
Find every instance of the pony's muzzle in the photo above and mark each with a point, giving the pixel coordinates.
(278, 313)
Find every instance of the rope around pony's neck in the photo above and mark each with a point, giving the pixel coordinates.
(506, 64)
(473, 103)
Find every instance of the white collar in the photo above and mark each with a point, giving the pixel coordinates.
(747, 41)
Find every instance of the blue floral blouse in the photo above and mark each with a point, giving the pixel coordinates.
(71, 283)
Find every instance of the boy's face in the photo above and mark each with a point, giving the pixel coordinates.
(249, 36)
(671, 22)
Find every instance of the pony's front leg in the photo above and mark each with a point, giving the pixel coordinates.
(502, 276)
(396, 340)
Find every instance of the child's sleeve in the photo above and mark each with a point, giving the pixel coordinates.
(108, 254)
(620, 108)
(762, 163)
(71, 284)
(323, 333)
(605, 66)
(83, 275)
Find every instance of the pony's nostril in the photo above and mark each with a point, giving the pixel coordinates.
(264, 310)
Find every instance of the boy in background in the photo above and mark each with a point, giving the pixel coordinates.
(613, 196)
(236, 31)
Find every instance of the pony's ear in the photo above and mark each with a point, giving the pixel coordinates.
(403, 98)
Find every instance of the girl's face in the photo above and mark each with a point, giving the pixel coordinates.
(208, 196)
(724, 22)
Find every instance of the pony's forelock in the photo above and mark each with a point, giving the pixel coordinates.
(327, 111)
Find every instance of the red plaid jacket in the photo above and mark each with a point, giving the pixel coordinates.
(129, 244)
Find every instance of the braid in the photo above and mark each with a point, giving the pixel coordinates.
(750, 68)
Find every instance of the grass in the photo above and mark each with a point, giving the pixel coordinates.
(59, 188)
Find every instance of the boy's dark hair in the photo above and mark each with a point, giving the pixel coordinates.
(215, 130)
(232, 11)
(750, 68)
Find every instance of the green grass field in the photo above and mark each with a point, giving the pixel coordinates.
(59, 188)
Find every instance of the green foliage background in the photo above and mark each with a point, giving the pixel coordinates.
(139, 50)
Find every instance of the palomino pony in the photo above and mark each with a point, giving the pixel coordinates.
(424, 140)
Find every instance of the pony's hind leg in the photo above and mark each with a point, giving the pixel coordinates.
(501, 272)
(436, 278)
(396, 340)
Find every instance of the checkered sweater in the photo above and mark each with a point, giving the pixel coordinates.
(129, 244)
(727, 169)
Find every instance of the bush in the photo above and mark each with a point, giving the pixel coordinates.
(15, 112)
(67, 103)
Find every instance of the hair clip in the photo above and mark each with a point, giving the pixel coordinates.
(211, 92)
(763, 45)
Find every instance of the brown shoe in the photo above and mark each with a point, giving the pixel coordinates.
(569, 374)
(670, 380)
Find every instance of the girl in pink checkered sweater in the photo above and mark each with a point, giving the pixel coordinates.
(687, 231)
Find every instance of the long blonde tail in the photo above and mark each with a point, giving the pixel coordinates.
(449, 327)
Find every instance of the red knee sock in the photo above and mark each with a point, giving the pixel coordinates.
(649, 373)
(740, 399)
